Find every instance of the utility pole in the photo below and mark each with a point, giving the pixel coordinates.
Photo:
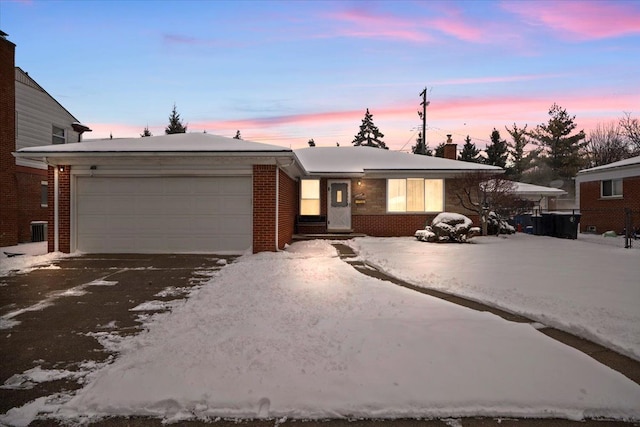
(422, 146)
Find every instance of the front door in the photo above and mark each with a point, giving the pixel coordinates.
(339, 205)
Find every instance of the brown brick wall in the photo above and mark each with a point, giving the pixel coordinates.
(264, 208)
(609, 213)
(50, 210)
(287, 208)
(29, 201)
(374, 194)
(390, 225)
(8, 181)
(64, 210)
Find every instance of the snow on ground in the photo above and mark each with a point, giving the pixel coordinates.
(302, 334)
(30, 256)
(591, 290)
(7, 320)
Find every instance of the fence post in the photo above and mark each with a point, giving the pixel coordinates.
(628, 228)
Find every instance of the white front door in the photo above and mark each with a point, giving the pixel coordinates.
(339, 205)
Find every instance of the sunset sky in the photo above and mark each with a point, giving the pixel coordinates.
(285, 72)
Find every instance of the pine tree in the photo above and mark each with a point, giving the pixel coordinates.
(516, 150)
(439, 150)
(419, 147)
(562, 151)
(146, 132)
(237, 135)
(469, 152)
(175, 124)
(369, 134)
(497, 153)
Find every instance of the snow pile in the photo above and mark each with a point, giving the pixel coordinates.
(302, 334)
(32, 255)
(587, 289)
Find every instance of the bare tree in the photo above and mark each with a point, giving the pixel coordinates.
(630, 129)
(483, 192)
(606, 144)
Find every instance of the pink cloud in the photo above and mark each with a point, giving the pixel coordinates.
(582, 20)
(364, 24)
(496, 79)
(368, 24)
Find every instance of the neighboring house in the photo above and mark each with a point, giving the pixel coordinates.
(607, 193)
(543, 198)
(36, 119)
(199, 192)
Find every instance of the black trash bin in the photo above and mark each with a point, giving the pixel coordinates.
(566, 225)
(548, 225)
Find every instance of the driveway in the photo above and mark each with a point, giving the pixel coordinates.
(53, 317)
(56, 317)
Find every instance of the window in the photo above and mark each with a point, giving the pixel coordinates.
(44, 194)
(310, 197)
(58, 135)
(415, 195)
(611, 188)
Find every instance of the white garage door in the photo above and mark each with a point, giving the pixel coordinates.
(163, 214)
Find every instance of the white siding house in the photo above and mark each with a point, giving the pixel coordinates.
(40, 119)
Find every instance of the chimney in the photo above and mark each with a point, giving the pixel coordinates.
(450, 149)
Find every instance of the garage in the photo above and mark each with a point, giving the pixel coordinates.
(163, 214)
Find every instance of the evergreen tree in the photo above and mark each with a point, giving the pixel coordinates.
(516, 150)
(237, 135)
(369, 134)
(311, 143)
(561, 151)
(421, 148)
(470, 152)
(175, 124)
(439, 150)
(497, 153)
(146, 132)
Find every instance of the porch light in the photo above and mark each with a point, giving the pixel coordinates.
(61, 168)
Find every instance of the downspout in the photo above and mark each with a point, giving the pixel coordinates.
(56, 221)
(277, 203)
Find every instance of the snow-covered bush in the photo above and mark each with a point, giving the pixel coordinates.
(496, 225)
(447, 227)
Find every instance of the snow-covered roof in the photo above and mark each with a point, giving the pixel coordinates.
(524, 189)
(176, 143)
(357, 160)
(630, 162)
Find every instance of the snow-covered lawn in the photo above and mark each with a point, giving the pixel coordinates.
(587, 286)
(301, 334)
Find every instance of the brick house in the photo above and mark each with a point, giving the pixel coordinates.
(605, 193)
(199, 192)
(29, 117)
